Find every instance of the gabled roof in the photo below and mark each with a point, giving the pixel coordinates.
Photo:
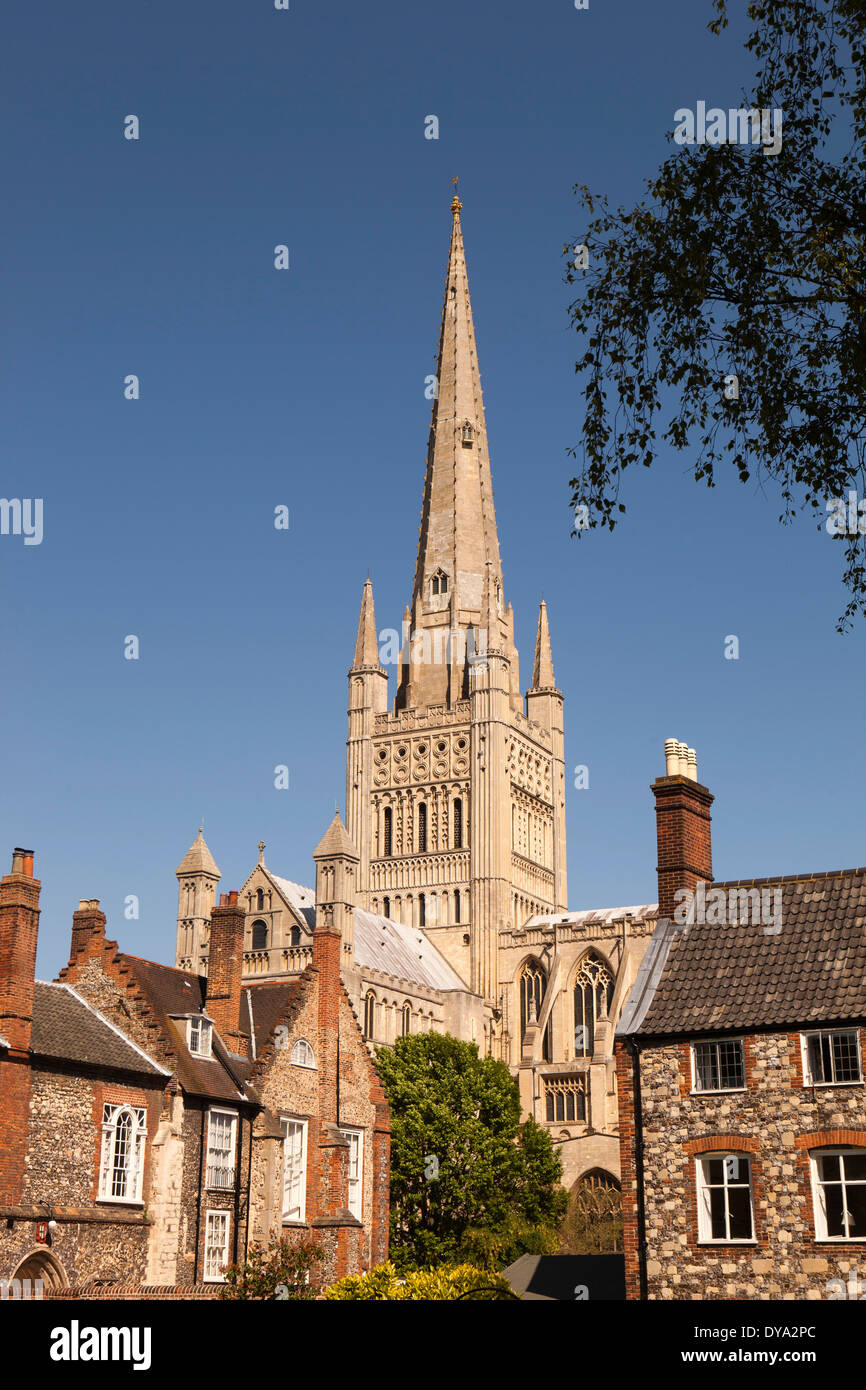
(173, 994)
(705, 977)
(268, 1002)
(67, 1028)
(394, 949)
(302, 899)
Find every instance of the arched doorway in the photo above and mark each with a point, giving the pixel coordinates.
(43, 1264)
(593, 1222)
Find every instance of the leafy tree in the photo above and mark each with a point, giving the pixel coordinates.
(283, 1270)
(462, 1282)
(463, 1168)
(748, 265)
(593, 1222)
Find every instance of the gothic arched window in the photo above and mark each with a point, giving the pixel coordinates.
(295, 936)
(122, 1160)
(422, 827)
(260, 935)
(369, 1014)
(439, 583)
(386, 907)
(593, 994)
(533, 979)
(458, 824)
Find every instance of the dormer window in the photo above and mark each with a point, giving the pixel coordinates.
(467, 435)
(439, 583)
(199, 1036)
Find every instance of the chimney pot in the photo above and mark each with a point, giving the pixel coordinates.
(22, 862)
(233, 897)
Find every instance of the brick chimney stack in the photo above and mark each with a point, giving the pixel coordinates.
(225, 974)
(19, 921)
(685, 854)
(88, 928)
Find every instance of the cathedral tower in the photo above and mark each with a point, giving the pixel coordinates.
(455, 797)
(197, 879)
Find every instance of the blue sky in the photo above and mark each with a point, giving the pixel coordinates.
(306, 388)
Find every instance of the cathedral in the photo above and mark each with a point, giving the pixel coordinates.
(452, 856)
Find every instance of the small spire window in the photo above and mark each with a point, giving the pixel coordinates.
(439, 583)
(467, 434)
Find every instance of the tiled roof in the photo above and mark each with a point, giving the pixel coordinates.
(66, 1027)
(705, 976)
(394, 949)
(269, 1002)
(173, 992)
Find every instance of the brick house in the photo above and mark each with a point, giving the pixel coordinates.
(740, 1068)
(268, 1114)
(77, 1099)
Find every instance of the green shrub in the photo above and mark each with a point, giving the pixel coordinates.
(442, 1283)
(283, 1270)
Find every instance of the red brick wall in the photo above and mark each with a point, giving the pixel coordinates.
(684, 837)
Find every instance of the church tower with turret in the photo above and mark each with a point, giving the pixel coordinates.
(455, 794)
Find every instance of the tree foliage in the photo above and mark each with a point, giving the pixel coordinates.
(468, 1180)
(745, 264)
(446, 1283)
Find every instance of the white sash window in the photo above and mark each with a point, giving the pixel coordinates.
(294, 1170)
(121, 1168)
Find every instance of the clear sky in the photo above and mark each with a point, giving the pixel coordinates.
(305, 388)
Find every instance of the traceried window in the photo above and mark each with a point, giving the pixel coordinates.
(724, 1198)
(458, 824)
(260, 936)
(533, 980)
(467, 434)
(216, 1246)
(200, 1036)
(839, 1185)
(422, 827)
(593, 994)
(356, 1171)
(832, 1057)
(294, 1169)
(439, 583)
(565, 1099)
(221, 1131)
(369, 1014)
(388, 827)
(719, 1066)
(121, 1168)
(302, 1054)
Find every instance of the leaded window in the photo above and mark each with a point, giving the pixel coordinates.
(833, 1057)
(719, 1066)
(565, 1099)
(221, 1131)
(593, 995)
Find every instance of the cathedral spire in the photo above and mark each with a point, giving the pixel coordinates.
(458, 545)
(542, 671)
(458, 526)
(366, 647)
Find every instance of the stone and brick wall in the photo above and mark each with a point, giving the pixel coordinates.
(775, 1121)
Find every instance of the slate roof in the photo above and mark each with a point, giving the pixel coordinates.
(593, 916)
(69, 1029)
(302, 899)
(394, 949)
(706, 977)
(179, 992)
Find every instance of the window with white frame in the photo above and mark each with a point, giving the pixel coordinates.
(839, 1186)
(356, 1171)
(831, 1057)
(724, 1183)
(302, 1054)
(719, 1066)
(199, 1036)
(121, 1167)
(221, 1134)
(216, 1246)
(294, 1169)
